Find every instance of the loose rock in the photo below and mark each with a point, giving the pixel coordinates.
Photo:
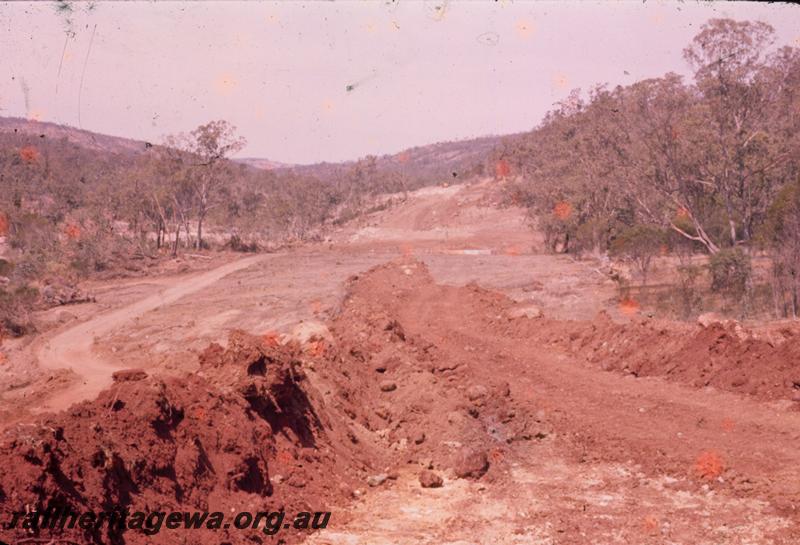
(129, 375)
(429, 479)
(470, 463)
(388, 386)
(477, 392)
(530, 311)
(377, 480)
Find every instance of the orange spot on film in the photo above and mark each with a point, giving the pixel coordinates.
(316, 348)
(72, 231)
(29, 154)
(728, 424)
(628, 306)
(495, 455)
(708, 465)
(651, 524)
(524, 28)
(407, 250)
(225, 84)
(502, 169)
(284, 456)
(4, 224)
(512, 250)
(562, 210)
(560, 81)
(270, 338)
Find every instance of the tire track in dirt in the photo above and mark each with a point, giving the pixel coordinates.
(72, 349)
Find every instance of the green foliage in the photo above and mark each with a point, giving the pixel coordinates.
(638, 240)
(781, 216)
(639, 244)
(780, 235)
(594, 234)
(688, 289)
(236, 244)
(6, 267)
(558, 232)
(703, 159)
(15, 305)
(730, 272)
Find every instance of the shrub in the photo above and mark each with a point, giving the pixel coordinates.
(593, 235)
(236, 244)
(688, 290)
(639, 244)
(15, 305)
(730, 274)
(6, 267)
(780, 235)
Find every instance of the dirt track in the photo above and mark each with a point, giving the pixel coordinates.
(72, 349)
(578, 454)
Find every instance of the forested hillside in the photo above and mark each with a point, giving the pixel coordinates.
(709, 165)
(75, 203)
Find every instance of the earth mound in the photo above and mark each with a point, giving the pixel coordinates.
(240, 435)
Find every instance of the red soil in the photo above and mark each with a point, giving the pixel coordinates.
(443, 378)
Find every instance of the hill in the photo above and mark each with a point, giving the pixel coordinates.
(86, 139)
(430, 162)
(427, 164)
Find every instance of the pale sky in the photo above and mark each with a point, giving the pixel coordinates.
(418, 72)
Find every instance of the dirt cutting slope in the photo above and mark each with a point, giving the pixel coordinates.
(456, 218)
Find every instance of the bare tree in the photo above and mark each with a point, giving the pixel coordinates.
(209, 146)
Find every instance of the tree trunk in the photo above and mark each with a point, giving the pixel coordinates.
(177, 239)
(199, 241)
(186, 230)
(733, 232)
